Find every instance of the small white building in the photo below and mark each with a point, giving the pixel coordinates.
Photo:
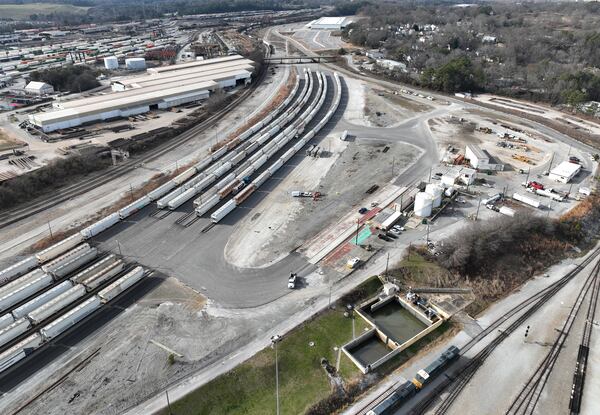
(481, 159)
(565, 172)
(391, 64)
(111, 62)
(329, 23)
(38, 88)
(135, 64)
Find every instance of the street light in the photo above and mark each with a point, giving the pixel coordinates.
(274, 340)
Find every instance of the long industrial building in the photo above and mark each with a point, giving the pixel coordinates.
(158, 88)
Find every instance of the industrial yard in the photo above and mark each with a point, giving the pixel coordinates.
(243, 221)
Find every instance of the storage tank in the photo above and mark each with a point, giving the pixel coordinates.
(111, 62)
(436, 192)
(135, 64)
(423, 204)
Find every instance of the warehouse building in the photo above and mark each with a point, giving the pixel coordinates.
(180, 85)
(38, 88)
(329, 23)
(564, 172)
(481, 159)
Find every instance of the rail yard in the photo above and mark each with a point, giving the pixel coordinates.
(137, 284)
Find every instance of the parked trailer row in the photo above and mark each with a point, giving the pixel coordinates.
(307, 116)
(61, 324)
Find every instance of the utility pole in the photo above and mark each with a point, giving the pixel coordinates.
(527, 177)
(50, 229)
(429, 181)
(387, 263)
(357, 228)
(393, 162)
(119, 247)
(131, 191)
(274, 340)
(478, 205)
(168, 402)
(427, 233)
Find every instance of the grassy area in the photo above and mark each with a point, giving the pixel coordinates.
(250, 388)
(24, 11)
(416, 269)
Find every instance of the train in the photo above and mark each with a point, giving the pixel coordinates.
(410, 388)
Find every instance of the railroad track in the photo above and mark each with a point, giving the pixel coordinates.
(528, 398)
(459, 381)
(100, 179)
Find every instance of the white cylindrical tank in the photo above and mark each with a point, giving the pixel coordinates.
(111, 62)
(423, 204)
(436, 191)
(135, 64)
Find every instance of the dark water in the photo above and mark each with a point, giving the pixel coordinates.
(370, 350)
(395, 321)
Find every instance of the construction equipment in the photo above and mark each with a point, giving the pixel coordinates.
(524, 159)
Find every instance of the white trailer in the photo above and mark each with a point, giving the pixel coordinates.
(527, 200)
(56, 304)
(20, 268)
(19, 351)
(59, 248)
(42, 299)
(14, 330)
(70, 318)
(120, 285)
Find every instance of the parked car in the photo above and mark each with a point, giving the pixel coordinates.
(363, 210)
(395, 232)
(353, 262)
(398, 228)
(384, 237)
(292, 280)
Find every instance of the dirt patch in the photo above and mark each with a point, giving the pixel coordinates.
(8, 142)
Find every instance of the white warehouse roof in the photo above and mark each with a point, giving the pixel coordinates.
(198, 63)
(566, 169)
(38, 86)
(330, 22)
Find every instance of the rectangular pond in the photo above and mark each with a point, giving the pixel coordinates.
(395, 321)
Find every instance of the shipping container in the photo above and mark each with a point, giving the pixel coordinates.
(21, 293)
(59, 248)
(223, 211)
(9, 274)
(100, 226)
(122, 284)
(14, 330)
(507, 211)
(56, 304)
(103, 275)
(70, 318)
(19, 351)
(134, 207)
(42, 299)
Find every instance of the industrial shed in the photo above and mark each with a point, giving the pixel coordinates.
(481, 159)
(564, 172)
(329, 23)
(179, 85)
(38, 88)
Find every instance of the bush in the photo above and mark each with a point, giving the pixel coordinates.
(74, 78)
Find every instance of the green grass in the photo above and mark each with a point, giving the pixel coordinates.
(24, 11)
(414, 268)
(250, 388)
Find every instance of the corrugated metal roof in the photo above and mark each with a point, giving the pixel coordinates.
(194, 63)
(479, 153)
(202, 71)
(148, 98)
(140, 91)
